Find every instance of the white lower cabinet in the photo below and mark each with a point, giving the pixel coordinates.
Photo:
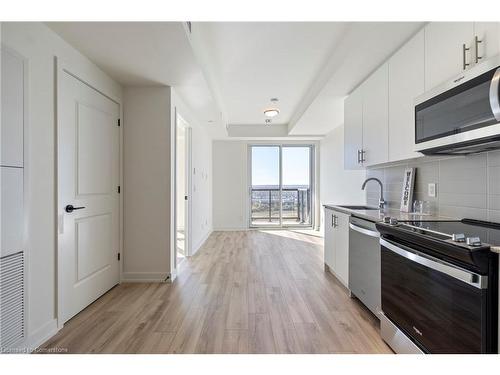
(336, 253)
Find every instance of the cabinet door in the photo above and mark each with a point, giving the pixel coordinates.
(406, 81)
(12, 105)
(342, 247)
(376, 117)
(329, 239)
(12, 210)
(444, 51)
(488, 34)
(353, 129)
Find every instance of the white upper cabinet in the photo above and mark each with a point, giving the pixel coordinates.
(488, 40)
(444, 50)
(353, 129)
(12, 109)
(406, 81)
(376, 117)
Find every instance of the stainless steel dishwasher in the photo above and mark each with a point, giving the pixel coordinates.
(364, 263)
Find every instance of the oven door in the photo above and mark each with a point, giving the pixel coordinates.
(465, 114)
(442, 308)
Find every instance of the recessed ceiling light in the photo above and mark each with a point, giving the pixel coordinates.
(271, 112)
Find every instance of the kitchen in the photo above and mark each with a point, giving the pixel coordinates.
(428, 237)
(245, 185)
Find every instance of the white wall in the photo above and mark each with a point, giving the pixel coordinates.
(338, 186)
(201, 174)
(38, 44)
(230, 194)
(146, 187)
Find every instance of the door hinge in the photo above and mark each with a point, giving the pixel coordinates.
(118, 122)
(119, 189)
(118, 256)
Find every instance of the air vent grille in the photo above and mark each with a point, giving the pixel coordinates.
(12, 327)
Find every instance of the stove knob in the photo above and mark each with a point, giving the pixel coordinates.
(386, 219)
(473, 241)
(393, 221)
(458, 237)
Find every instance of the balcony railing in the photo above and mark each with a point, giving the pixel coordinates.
(296, 203)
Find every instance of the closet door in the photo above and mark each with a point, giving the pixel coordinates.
(12, 109)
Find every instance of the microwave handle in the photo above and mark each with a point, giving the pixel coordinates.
(494, 95)
(470, 278)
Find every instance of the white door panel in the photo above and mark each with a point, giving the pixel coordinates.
(12, 210)
(353, 129)
(329, 239)
(95, 136)
(488, 34)
(12, 109)
(88, 172)
(444, 50)
(406, 82)
(342, 247)
(376, 117)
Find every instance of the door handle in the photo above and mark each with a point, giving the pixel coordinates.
(70, 208)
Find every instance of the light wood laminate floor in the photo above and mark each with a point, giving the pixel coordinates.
(243, 292)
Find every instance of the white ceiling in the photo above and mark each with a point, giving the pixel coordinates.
(228, 71)
(144, 53)
(365, 46)
(250, 62)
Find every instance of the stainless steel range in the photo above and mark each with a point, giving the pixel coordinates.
(439, 283)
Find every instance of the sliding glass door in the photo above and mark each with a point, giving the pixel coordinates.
(280, 185)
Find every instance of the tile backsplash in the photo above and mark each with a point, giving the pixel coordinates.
(466, 186)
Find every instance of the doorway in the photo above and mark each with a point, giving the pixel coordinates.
(182, 188)
(281, 186)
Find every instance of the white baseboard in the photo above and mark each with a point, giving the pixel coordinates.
(42, 334)
(202, 242)
(231, 229)
(144, 277)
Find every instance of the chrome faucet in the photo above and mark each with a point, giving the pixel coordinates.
(381, 201)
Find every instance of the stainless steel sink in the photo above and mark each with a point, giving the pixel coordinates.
(360, 207)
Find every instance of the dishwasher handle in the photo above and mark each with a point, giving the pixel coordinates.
(368, 232)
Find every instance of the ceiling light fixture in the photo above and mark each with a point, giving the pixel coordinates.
(271, 112)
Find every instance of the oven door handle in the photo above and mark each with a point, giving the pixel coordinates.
(365, 231)
(495, 95)
(471, 278)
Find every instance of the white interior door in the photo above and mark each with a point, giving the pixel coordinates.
(88, 178)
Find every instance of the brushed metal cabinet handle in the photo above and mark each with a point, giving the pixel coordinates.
(476, 43)
(464, 56)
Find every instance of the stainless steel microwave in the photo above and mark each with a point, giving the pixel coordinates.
(462, 116)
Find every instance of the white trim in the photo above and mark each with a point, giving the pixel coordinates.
(62, 67)
(201, 242)
(145, 277)
(42, 334)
